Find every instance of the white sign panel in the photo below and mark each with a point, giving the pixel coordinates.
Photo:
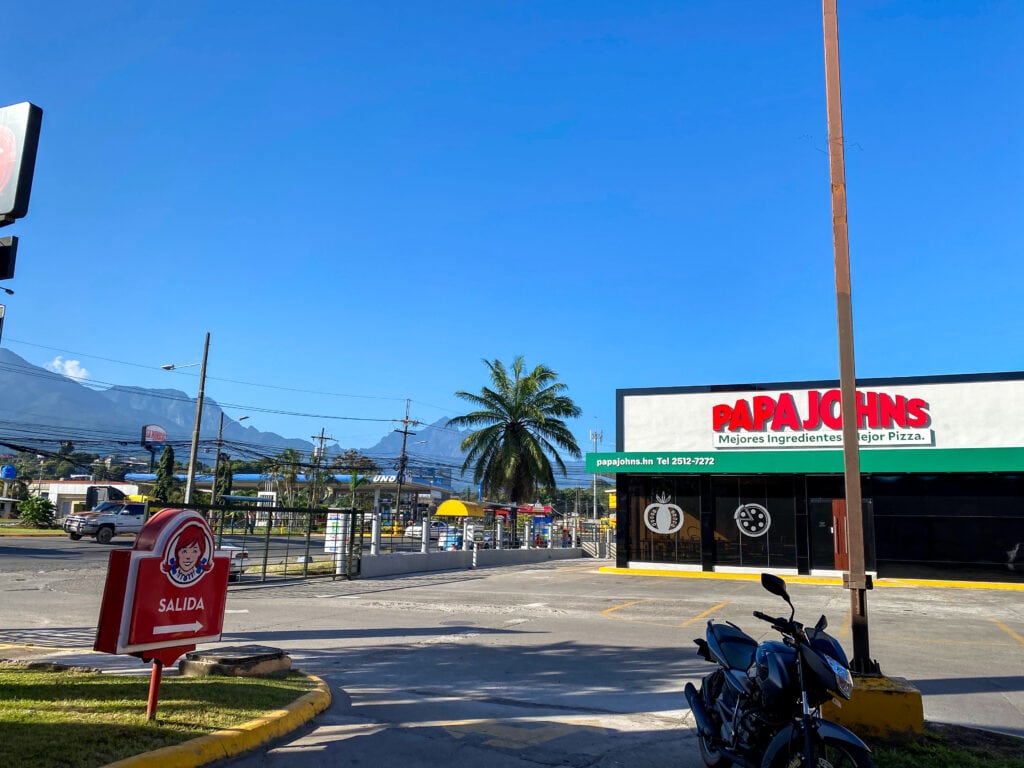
(952, 415)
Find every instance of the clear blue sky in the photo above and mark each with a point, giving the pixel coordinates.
(364, 200)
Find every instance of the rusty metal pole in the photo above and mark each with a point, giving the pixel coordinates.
(855, 579)
(154, 689)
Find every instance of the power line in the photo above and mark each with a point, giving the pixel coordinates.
(261, 385)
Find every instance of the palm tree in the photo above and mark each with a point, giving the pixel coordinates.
(285, 469)
(520, 427)
(351, 462)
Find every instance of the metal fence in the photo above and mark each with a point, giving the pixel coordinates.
(287, 543)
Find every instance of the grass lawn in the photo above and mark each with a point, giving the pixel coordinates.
(15, 530)
(948, 746)
(77, 719)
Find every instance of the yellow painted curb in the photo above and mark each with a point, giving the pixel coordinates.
(880, 706)
(234, 741)
(827, 580)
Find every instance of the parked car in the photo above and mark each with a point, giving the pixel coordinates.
(109, 519)
(239, 561)
(489, 540)
(437, 527)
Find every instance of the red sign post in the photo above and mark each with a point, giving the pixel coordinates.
(165, 594)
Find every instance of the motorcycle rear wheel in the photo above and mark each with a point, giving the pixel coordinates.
(712, 757)
(827, 754)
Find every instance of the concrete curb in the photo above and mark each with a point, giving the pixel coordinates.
(234, 741)
(827, 580)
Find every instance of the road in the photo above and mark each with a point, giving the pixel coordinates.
(556, 664)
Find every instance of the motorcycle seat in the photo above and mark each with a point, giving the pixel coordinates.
(734, 647)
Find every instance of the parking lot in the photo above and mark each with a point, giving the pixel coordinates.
(548, 663)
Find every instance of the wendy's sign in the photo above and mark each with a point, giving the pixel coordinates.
(167, 593)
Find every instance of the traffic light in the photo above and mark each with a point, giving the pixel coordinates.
(8, 250)
(19, 139)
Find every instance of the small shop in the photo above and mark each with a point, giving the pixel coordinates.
(750, 477)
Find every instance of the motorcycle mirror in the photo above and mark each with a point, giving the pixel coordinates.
(822, 624)
(775, 585)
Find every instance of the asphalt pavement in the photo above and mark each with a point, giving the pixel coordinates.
(557, 664)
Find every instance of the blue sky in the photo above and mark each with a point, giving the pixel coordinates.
(361, 201)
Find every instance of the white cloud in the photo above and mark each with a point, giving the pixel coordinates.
(71, 368)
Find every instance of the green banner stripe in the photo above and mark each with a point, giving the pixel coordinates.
(778, 462)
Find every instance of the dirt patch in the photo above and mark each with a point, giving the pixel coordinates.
(982, 743)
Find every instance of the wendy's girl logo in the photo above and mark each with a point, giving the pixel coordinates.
(189, 555)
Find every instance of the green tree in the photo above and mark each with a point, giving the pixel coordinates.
(18, 489)
(37, 512)
(519, 430)
(167, 487)
(224, 482)
(285, 469)
(358, 468)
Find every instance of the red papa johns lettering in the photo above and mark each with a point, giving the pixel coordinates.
(875, 410)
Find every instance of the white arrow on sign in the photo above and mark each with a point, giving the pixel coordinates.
(195, 626)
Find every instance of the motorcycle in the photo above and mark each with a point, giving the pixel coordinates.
(762, 707)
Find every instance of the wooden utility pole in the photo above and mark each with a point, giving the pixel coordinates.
(856, 578)
(402, 460)
(318, 457)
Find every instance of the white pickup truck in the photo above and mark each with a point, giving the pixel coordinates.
(113, 518)
(107, 520)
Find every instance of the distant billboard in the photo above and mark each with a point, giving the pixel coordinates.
(154, 437)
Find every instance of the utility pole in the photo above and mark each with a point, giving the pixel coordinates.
(318, 454)
(595, 436)
(855, 579)
(194, 450)
(216, 459)
(402, 458)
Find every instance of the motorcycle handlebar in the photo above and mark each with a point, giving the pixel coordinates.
(778, 623)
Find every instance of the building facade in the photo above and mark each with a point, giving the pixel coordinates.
(750, 477)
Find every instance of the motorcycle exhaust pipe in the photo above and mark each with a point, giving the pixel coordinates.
(700, 714)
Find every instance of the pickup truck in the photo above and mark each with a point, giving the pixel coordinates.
(108, 519)
(112, 518)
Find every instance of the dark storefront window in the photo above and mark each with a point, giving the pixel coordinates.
(659, 504)
(755, 521)
(934, 525)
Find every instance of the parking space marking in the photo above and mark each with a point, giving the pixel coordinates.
(610, 611)
(1008, 631)
(708, 612)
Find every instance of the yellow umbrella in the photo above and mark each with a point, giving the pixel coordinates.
(457, 508)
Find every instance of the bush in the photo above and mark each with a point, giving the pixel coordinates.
(37, 512)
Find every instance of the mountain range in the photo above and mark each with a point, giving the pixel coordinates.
(39, 409)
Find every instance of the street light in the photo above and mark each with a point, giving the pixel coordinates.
(190, 478)
(216, 458)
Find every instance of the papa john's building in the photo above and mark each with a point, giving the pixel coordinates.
(751, 476)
